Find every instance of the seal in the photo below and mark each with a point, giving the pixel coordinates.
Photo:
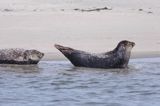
(117, 58)
(20, 56)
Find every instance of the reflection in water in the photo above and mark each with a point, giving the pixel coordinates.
(60, 83)
(20, 68)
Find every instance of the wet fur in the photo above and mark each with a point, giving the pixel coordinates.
(118, 58)
(20, 56)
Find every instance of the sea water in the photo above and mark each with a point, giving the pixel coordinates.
(59, 83)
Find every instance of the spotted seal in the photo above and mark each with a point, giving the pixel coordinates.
(20, 56)
(117, 58)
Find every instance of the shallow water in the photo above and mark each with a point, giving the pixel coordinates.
(58, 83)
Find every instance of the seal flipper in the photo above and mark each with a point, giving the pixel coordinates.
(74, 56)
(65, 50)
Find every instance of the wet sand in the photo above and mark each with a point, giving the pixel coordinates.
(94, 26)
(39, 24)
(93, 32)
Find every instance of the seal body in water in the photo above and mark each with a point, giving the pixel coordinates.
(20, 56)
(117, 58)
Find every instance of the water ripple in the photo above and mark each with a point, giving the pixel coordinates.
(60, 83)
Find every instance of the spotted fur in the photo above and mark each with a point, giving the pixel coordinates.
(20, 56)
(117, 58)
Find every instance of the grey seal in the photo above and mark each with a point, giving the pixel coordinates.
(20, 56)
(117, 58)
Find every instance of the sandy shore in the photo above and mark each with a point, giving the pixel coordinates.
(89, 31)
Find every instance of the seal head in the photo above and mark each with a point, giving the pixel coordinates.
(123, 51)
(33, 55)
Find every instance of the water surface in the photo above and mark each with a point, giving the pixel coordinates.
(58, 83)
